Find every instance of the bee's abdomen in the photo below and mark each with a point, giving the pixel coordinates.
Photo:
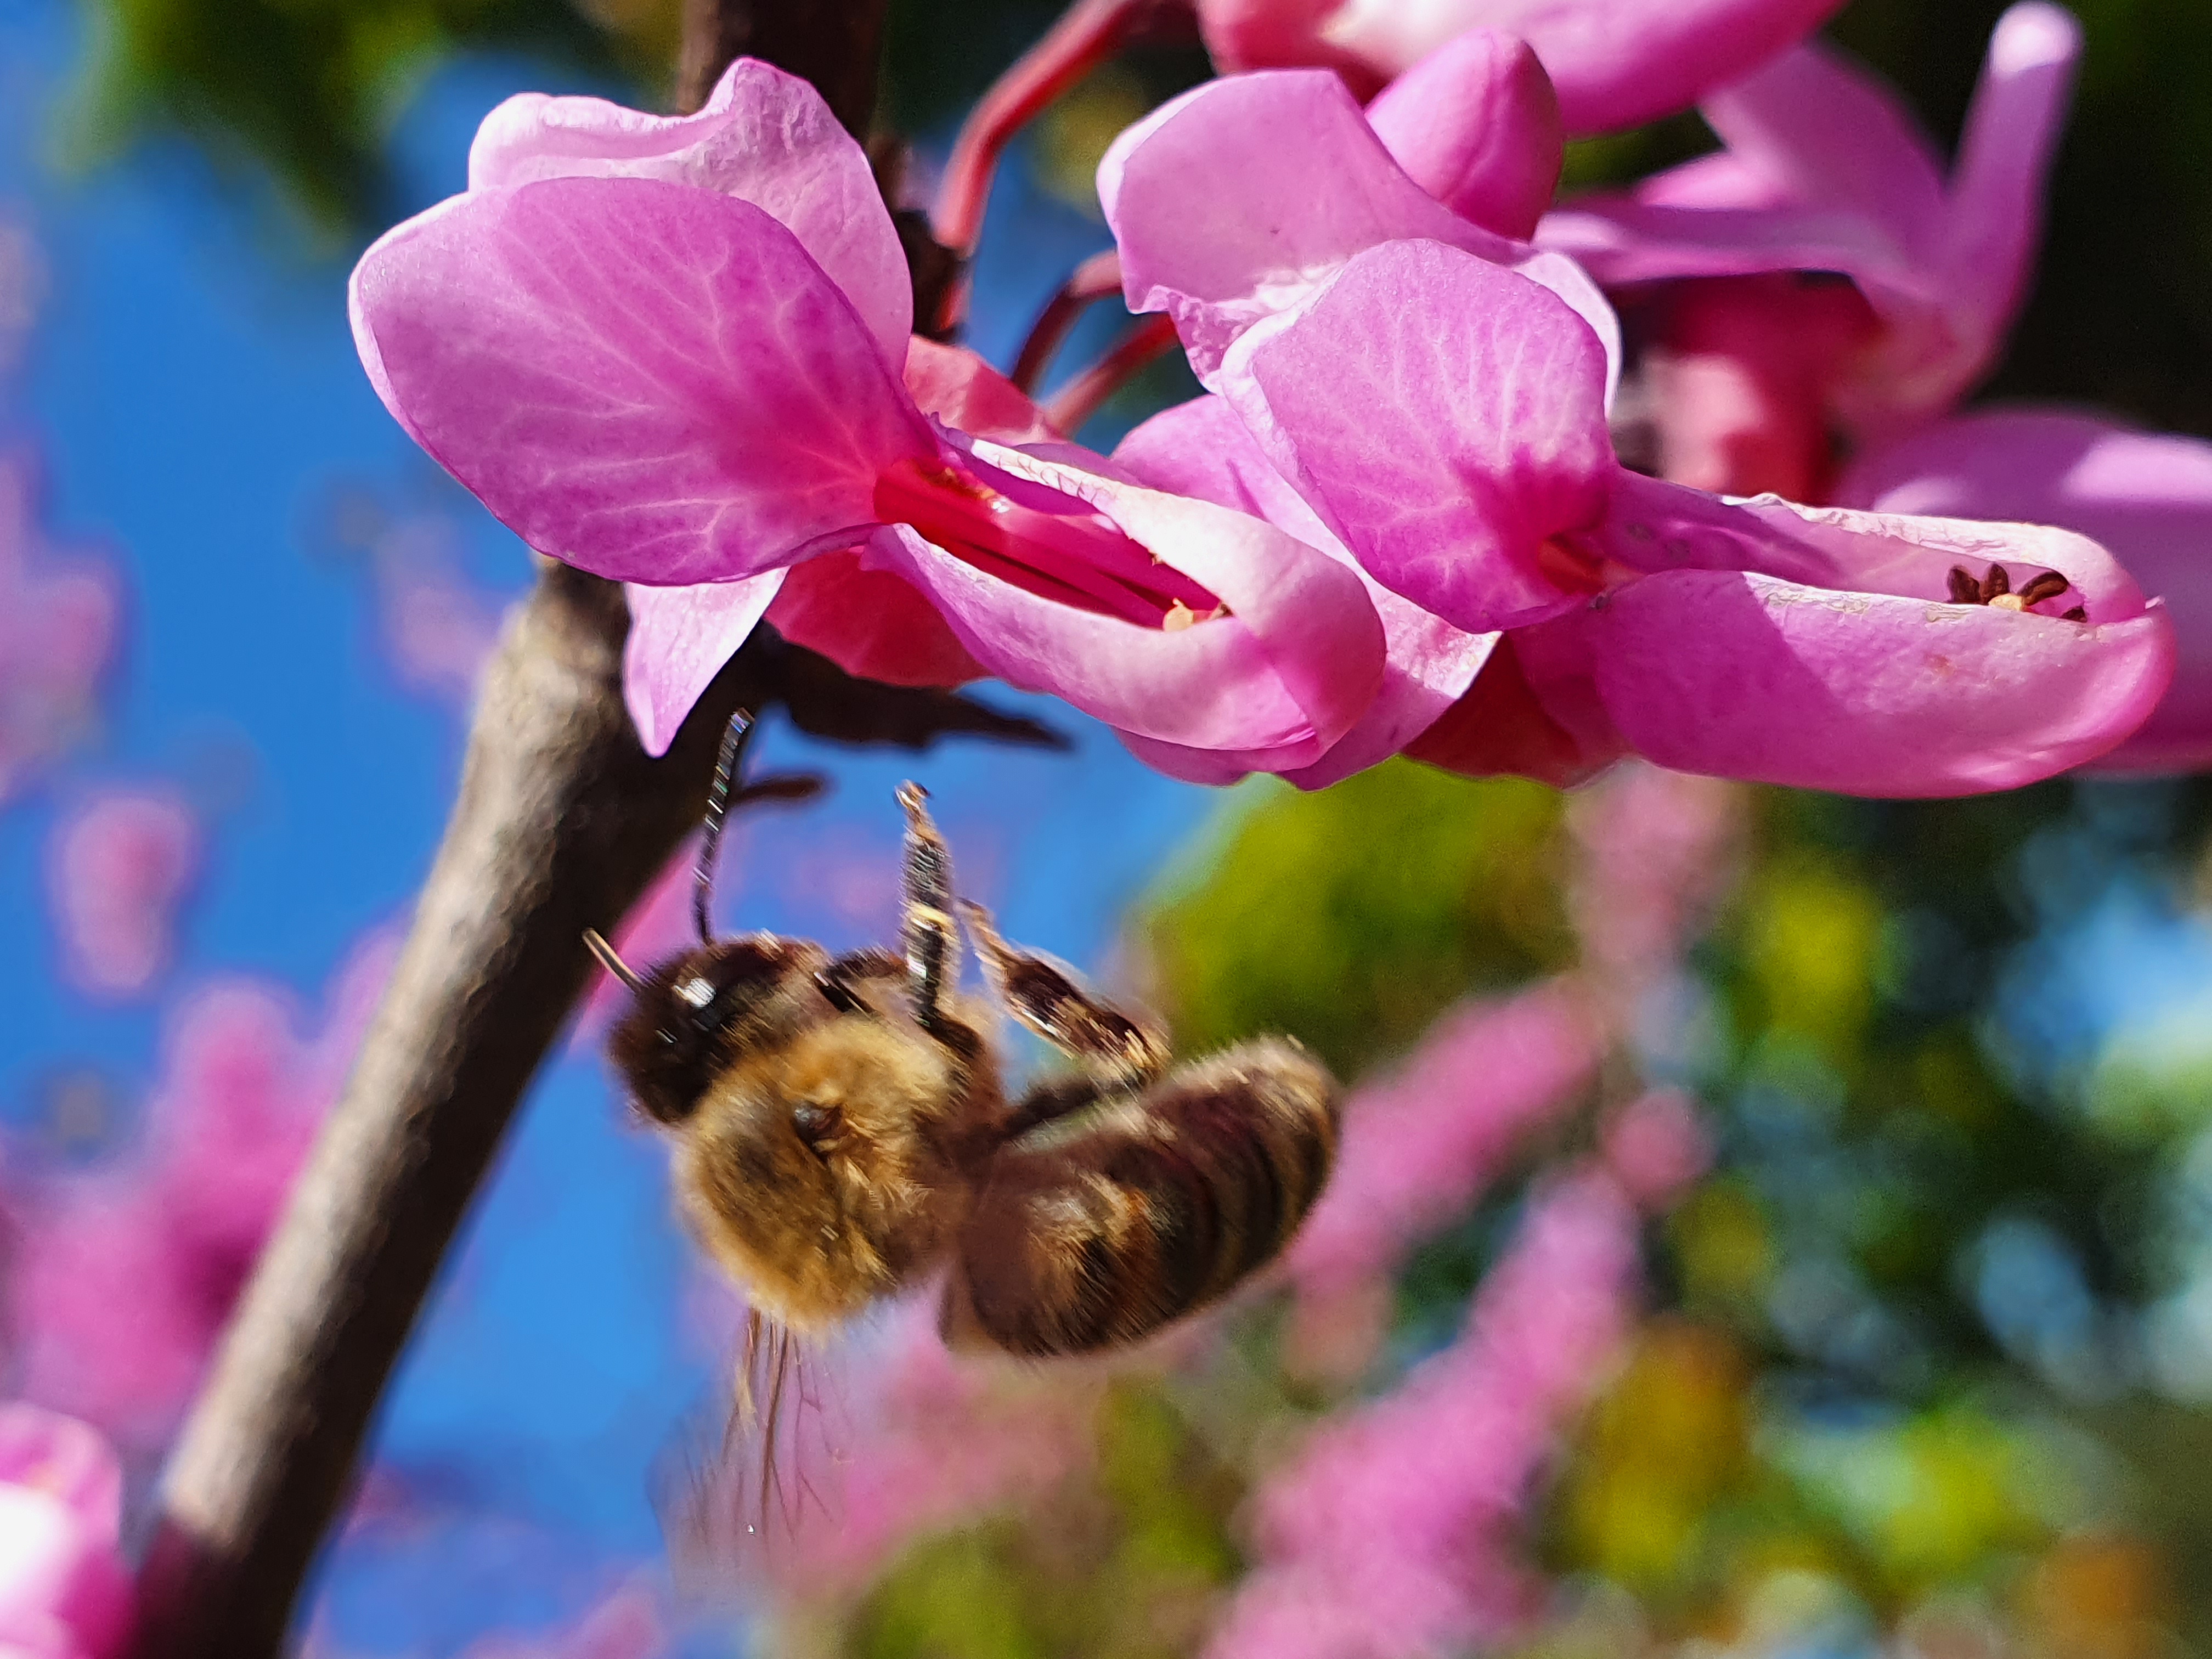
(1097, 1230)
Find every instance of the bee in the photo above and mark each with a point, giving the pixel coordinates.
(843, 1131)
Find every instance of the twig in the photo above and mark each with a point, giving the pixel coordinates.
(1081, 397)
(560, 822)
(1086, 35)
(1091, 281)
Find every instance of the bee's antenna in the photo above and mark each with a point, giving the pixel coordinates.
(612, 960)
(726, 767)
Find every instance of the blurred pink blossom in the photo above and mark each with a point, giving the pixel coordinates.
(1652, 847)
(124, 1274)
(64, 1591)
(23, 278)
(1655, 1146)
(1423, 1144)
(1392, 1532)
(117, 867)
(437, 627)
(59, 615)
(628, 1624)
(888, 1437)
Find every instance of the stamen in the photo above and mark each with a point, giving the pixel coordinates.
(1994, 590)
(1076, 557)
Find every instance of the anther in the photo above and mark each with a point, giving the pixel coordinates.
(1994, 590)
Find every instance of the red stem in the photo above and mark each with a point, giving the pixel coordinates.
(1080, 399)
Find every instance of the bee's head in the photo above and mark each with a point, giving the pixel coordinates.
(699, 1013)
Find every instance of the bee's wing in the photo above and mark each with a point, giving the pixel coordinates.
(746, 1491)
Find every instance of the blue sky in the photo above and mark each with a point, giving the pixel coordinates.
(193, 391)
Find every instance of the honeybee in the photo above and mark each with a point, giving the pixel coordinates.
(842, 1128)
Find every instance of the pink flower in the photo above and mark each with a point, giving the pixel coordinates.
(1391, 1533)
(1444, 416)
(885, 1437)
(1237, 203)
(626, 1624)
(58, 621)
(2147, 496)
(1824, 171)
(1423, 1144)
(64, 1591)
(123, 1275)
(675, 352)
(117, 868)
(1616, 62)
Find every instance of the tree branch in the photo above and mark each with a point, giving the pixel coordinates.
(560, 822)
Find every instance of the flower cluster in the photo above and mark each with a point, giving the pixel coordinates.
(678, 352)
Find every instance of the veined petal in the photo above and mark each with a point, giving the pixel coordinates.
(764, 136)
(1447, 417)
(1201, 449)
(1237, 200)
(1742, 676)
(1476, 124)
(2146, 496)
(1617, 63)
(679, 638)
(648, 381)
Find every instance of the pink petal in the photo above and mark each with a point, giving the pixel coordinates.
(1201, 449)
(1238, 199)
(1616, 62)
(1742, 676)
(64, 1591)
(2146, 496)
(870, 623)
(963, 390)
(1830, 135)
(1527, 715)
(1476, 124)
(764, 138)
(2004, 157)
(1448, 417)
(679, 638)
(1740, 380)
(649, 381)
(1283, 675)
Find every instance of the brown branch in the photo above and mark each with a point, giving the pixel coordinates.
(560, 822)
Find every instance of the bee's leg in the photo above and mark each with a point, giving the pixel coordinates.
(1112, 1047)
(840, 980)
(933, 946)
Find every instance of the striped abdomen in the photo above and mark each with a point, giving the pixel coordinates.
(1099, 1227)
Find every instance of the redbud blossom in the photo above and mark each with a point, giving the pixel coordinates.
(1616, 62)
(675, 352)
(1445, 417)
(2147, 496)
(1826, 171)
(64, 1591)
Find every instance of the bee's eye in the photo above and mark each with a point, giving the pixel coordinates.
(817, 1124)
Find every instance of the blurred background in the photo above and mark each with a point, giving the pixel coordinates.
(1770, 1223)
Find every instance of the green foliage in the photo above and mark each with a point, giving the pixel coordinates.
(1351, 918)
(309, 88)
(1122, 1565)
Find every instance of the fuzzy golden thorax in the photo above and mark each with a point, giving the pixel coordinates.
(821, 1172)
